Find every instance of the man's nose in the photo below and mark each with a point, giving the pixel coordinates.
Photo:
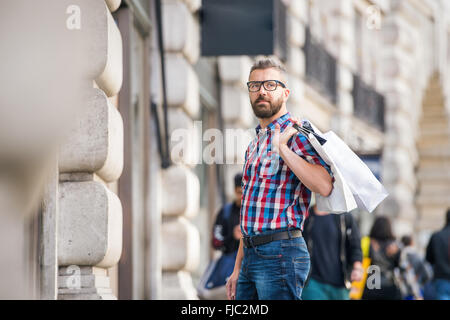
(262, 90)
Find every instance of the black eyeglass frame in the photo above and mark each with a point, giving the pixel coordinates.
(262, 83)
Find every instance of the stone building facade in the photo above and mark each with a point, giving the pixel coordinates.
(90, 161)
(372, 71)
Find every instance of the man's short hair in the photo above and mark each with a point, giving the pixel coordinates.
(448, 216)
(269, 62)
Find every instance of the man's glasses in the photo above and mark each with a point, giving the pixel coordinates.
(269, 85)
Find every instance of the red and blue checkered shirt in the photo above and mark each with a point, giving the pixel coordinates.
(272, 195)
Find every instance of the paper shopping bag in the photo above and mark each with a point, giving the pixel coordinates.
(341, 198)
(366, 189)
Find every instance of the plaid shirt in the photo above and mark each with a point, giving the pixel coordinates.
(272, 195)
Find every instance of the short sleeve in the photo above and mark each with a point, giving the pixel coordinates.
(302, 147)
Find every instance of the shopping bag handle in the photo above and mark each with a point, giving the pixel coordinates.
(306, 131)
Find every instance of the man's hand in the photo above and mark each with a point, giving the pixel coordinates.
(231, 285)
(281, 139)
(357, 272)
(314, 176)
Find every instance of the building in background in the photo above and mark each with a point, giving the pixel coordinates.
(372, 71)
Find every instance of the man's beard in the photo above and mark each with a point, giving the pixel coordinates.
(266, 111)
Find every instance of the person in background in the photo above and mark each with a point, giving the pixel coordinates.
(226, 234)
(226, 230)
(416, 272)
(438, 254)
(334, 244)
(385, 254)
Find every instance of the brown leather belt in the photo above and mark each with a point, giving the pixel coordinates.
(250, 242)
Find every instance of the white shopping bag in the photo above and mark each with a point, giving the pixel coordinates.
(366, 188)
(354, 174)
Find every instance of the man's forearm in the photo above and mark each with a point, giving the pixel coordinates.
(313, 176)
(239, 256)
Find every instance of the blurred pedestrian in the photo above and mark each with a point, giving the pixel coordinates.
(415, 271)
(226, 235)
(226, 230)
(438, 254)
(334, 245)
(385, 255)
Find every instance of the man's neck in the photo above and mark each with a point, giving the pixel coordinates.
(264, 122)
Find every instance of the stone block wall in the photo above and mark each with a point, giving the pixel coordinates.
(181, 189)
(90, 162)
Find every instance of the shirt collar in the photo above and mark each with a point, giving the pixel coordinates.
(271, 125)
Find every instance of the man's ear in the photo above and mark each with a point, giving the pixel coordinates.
(287, 93)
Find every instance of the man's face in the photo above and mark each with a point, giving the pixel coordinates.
(266, 103)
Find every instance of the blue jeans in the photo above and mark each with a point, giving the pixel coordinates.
(316, 290)
(274, 271)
